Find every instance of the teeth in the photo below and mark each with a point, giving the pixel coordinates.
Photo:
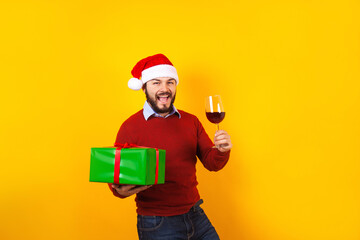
(163, 99)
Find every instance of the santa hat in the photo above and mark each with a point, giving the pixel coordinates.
(152, 67)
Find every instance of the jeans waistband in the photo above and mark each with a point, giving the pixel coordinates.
(198, 203)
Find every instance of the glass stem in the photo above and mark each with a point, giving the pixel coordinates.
(218, 130)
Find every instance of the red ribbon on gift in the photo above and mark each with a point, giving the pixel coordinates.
(118, 158)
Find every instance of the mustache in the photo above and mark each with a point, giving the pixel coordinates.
(164, 94)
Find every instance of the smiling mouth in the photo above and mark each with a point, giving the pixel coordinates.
(163, 99)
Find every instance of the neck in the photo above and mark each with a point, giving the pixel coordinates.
(163, 114)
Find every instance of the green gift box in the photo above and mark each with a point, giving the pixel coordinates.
(135, 165)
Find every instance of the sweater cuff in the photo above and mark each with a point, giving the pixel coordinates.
(223, 153)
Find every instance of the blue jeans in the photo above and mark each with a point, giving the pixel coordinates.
(192, 225)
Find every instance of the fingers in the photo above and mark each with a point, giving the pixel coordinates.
(220, 132)
(122, 188)
(222, 141)
(221, 137)
(128, 190)
(224, 148)
(139, 189)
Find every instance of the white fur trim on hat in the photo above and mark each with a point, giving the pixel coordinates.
(135, 84)
(162, 70)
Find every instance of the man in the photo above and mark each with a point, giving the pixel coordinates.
(170, 210)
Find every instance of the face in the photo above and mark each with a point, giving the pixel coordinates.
(160, 94)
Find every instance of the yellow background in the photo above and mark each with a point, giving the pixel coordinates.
(288, 72)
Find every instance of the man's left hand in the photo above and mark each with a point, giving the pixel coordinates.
(222, 141)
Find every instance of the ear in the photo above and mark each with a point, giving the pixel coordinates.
(144, 87)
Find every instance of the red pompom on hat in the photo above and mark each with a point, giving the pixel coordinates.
(152, 67)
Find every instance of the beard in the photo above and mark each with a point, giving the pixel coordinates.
(152, 102)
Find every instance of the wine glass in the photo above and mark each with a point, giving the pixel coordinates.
(214, 109)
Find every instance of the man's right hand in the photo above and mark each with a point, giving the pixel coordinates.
(128, 190)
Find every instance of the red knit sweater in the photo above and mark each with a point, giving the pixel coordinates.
(183, 139)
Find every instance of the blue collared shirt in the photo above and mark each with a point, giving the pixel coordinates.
(148, 112)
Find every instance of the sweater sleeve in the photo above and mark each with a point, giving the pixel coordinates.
(211, 158)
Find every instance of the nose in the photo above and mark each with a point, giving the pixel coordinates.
(164, 87)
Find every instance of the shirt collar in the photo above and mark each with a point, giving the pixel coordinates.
(148, 112)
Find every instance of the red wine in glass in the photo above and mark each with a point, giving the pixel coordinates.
(214, 109)
(215, 117)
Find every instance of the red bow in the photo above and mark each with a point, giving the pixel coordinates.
(126, 145)
(119, 146)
